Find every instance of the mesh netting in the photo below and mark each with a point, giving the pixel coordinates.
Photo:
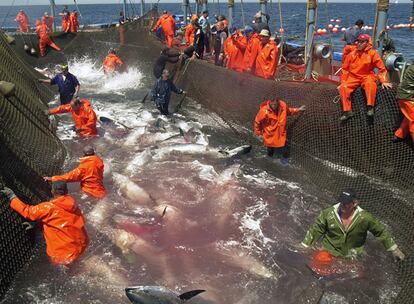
(28, 151)
(358, 153)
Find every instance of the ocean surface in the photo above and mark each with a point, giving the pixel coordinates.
(293, 18)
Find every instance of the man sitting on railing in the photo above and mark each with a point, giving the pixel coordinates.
(358, 70)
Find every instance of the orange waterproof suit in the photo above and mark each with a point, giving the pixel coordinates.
(266, 60)
(167, 22)
(42, 31)
(250, 54)
(65, 21)
(234, 48)
(271, 125)
(405, 97)
(84, 119)
(23, 21)
(63, 227)
(112, 63)
(90, 175)
(189, 34)
(49, 22)
(73, 20)
(358, 70)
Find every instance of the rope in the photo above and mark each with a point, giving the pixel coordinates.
(77, 8)
(282, 32)
(8, 13)
(242, 12)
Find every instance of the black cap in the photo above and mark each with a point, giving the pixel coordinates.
(359, 22)
(205, 12)
(88, 150)
(60, 187)
(347, 196)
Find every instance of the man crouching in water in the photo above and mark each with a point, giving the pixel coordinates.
(343, 229)
(161, 93)
(62, 223)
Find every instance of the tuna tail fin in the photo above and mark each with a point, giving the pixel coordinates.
(190, 294)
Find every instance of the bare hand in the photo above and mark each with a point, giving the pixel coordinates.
(387, 85)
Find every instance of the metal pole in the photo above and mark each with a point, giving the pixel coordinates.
(52, 13)
(382, 17)
(312, 6)
(204, 6)
(230, 17)
(185, 7)
(196, 7)
(142, 7)
(263, 9)
(124, 9)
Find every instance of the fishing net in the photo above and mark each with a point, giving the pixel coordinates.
(357, 154)
(28, 151)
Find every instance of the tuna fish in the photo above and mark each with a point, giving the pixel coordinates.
(237, 151)
(158, 294)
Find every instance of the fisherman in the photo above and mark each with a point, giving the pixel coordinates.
(121, 19)
(23, 21)
(358, 70)
(67, 83)
(351, 36)
(161, 93)
(267, 56)
(205, 26)
(270, 123)
(234, 48)
(62, 222)
(170, 55)
(343, 228)
(252, 49)
(83, 116)
(223, 19)
(352, 33)
(168, 26)
(405, 97)
(198, 41)
(89, 173)
(258, 24)
(220, 39)
(65, 19)
(48, 20)
(42, 30)
(190, 30)
(74, 23)
(112, 63)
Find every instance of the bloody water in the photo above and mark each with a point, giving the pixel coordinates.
(231, 225)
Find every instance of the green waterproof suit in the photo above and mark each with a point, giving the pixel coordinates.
(346, 243)
(406, 88)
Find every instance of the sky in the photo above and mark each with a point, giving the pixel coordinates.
(61, 2)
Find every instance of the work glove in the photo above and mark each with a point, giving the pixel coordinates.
(7, 192)
(302, 108)
(398, 254)
(46, 112)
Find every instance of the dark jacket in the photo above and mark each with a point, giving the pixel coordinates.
(172, 56)
(406, 88)
(161, 92)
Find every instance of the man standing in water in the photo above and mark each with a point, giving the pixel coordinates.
(343, 228)
(161, 93)
(270, 123)
(62, 223)
(83, 116)
(89, 173)
(67, 83)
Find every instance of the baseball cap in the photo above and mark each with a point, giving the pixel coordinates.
(347, 196)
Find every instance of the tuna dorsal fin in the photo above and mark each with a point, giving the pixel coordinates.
(190, 294)
(165, 211)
